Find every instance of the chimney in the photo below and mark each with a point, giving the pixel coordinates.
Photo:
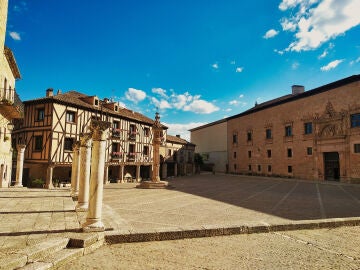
(178, 135)
(297, 89)
(49, 92)
(59, 92)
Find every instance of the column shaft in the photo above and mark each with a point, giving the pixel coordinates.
(19, 164)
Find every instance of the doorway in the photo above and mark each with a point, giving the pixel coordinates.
(332, 166)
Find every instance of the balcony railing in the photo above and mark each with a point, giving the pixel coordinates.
(11, 105)
(131, 157)
(116, 132)
(132, 135)
(116, 155)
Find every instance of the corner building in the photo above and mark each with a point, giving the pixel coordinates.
(308, 135)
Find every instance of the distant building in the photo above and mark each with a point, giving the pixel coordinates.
(177, 156)
(211, 144)
(54, 123)
(307, 134)
(10, 104)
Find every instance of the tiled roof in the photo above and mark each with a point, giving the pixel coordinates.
(75, 99)
(175, 139)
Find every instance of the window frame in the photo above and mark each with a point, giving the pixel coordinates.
(67, 140)
(40, 112)
(69, 115)
(357, 148)
(38, 143)
(288, 131)
(268, 133)
(355, 120)
(308, 128)
(309, 151)
(289, 152)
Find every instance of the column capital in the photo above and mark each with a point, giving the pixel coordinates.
(99, 130)
(20, 147)
(85, 140)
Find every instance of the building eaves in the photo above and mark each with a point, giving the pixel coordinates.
(209, 124)
(175, 139)
(74, 98)
(12, 62)
(290, 98)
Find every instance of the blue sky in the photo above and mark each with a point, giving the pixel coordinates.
(197, 61)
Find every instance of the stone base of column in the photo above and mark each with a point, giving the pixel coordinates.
(17, 186)
(49, 186)
(153, 185)
(93, 225)
(82, 207)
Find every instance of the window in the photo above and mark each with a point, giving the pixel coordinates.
(235, 138)
(169, 152)
(146, 150)
(70, 117)
(357, 148)
(40, 115)
(269, 153)
(288, 131)
(234, 154)
(249, 136)
(132, 128)
(115, 147)
(308, 128)
(269, 168)
(68, 143)
(259, 168)
(116, 125)
(249, 154)
(132, 148)
(289, 152)
(355, 120)
(146, 132)
(268, 133)
(249, 167)
(289, 169)
(234, 167)
(96, 102)
(38, 143)
(309, 151)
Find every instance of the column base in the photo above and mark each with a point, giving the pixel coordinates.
(153, 185)
(18, 186)
(49, 186)
(93, 225)
(82, 207)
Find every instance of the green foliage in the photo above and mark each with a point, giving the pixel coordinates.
(37, 183)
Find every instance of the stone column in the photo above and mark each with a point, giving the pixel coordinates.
(84, 178)
(49, 177)
(121, 174)
(99, 130)
(155, 179)
(106, 175)
(19, 164)
(138, 173)
(75, 170)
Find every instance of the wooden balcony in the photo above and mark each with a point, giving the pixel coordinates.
(10, 104)
(116, 155)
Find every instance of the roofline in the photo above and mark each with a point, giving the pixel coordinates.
(61, 102)
(210, 124)
(315, 91)
(12, 62)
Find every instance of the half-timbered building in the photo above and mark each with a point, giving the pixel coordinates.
(54, 123)
(177, 156)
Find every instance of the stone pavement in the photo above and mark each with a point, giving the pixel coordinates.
(201, 205)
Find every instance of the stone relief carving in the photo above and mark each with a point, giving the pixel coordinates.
(330, 123)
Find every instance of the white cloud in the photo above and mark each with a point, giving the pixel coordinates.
(279, 52)
(215, 65)
(355, 61)
(233, 102)
(228, 110)
(182, 129)
(135, 95)
(295, 65)
(232, 62)
(325, 53)
(161, 92)
(241, 96)
(201, 106)
(179, 101)
(270, 34)
(15, 35)
(161, 104)
(317, 21)
(239, 69)
(331, 65)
